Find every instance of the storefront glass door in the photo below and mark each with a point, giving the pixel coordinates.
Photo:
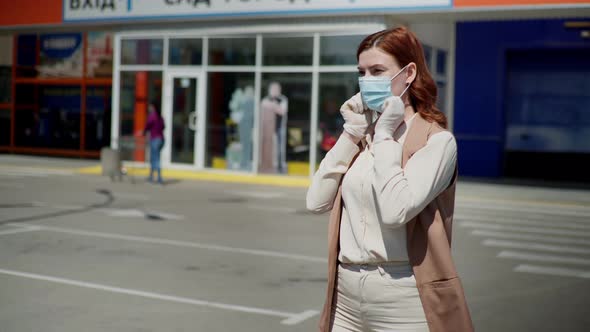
(182, 115)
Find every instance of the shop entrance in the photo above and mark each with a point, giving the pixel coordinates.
(184, 116)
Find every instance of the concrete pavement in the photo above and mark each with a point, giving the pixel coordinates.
(81, 253)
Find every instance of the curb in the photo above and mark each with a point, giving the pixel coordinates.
(216, 176)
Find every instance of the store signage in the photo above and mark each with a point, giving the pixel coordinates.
(61, 45)
(84, 10)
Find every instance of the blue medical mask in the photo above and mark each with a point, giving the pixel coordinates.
(375, 90)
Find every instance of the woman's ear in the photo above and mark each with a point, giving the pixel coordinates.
(412, 72)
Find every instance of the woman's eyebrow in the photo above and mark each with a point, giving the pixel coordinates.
(373, 66)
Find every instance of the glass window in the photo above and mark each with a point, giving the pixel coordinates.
(285, 113)
(142, 51)
(99, 58)
(137, 90)
(441, 62)
(232, 51)
(26, 53)
(4, 126)
(427, 55)
(98, 117)
(441, 96)
(339, 50)
(184, 106)
(287, 51)
(335, 89)
(230, 121)
(5, 84)
(52, 123)
(185, 51)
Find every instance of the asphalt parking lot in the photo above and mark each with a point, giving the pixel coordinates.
(80, 253)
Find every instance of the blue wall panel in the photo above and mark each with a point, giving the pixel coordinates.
(479, 120)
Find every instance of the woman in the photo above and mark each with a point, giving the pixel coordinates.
(155, 127)
(390, 183)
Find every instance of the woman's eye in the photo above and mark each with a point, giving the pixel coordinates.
(361, 73)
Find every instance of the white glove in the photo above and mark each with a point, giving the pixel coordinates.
(390, 119)
(355, 118)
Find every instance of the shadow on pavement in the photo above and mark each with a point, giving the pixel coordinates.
(109, 199)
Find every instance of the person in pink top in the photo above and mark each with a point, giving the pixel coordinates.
(155, 128)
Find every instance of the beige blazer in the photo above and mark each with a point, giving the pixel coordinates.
(429, 250)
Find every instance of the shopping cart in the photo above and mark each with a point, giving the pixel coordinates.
(127, 160)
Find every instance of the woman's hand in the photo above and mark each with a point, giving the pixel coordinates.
(390, 119)
(355, 118)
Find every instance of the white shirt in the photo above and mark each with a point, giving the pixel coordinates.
(378, 195)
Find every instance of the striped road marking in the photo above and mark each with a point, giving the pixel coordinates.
(534, 246)
(523, 222)
(554, 271)
(20, 230)
(530, 237)
(288, 318)
(152, 240)
(543, 258)
(488, 226)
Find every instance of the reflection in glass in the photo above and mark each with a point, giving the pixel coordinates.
(56, 121)
(99, 57)
(184, 101)
(98, 117)
(5, 83)
(441, 95)
(427, 55)
(230, 121)
(441, 62)
(339, 50)
(335, 89)
(142, 51)
(137, 90)
(4, 126)
(285, 118)
(185, 51)
(232, 51)
(295, 51)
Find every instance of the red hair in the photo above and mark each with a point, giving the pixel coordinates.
(403, 45)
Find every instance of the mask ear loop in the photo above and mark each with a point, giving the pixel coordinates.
(406, 89)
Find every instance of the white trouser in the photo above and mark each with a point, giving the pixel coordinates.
(378, 298)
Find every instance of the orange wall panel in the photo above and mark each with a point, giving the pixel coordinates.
(30, 12)
(475, 3)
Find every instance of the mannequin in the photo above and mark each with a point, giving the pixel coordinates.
(273, 109)
(245, 126)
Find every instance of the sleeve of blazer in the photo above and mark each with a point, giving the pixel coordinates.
(325, 182)
(400, 194)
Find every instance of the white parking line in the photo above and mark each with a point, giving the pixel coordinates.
(577, 212)
(533, 230)
(277, 209)
(20, 230)
(259, 194)
(518, 221)
(556, 271)
(543, 258)
(289, 318)
(11, 185)
(57, 206)
(530, 237)
(534, 246)
(179, 243)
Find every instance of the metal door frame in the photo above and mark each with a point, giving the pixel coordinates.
(199, 116)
